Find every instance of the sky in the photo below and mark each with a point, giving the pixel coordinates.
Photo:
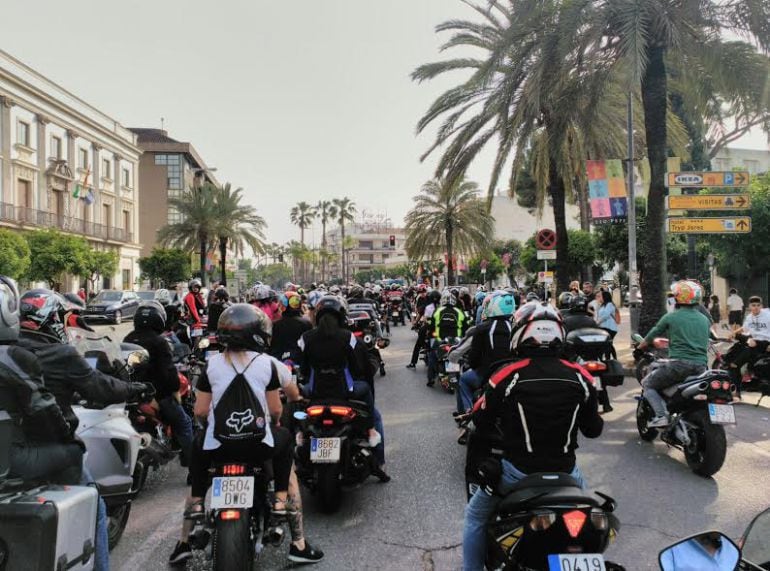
(290, 99)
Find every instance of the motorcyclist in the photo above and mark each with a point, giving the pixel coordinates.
(357, 299)
(194, 306)
(539, 403)
(288, 330)
(418, 322)
(149, 324)
(564, 301)
(219, 302)
(756, 327)
(447, 321)
(687, 330)
(266, 300)
(577, 317)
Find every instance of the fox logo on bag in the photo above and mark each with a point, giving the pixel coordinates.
(239, 416)
(238, 420)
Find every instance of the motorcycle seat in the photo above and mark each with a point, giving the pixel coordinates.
(546, 489)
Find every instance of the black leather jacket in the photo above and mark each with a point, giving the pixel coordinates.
(163, 374)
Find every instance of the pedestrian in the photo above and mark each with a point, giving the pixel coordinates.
(82, 293)
(607, 318)
(735, 308)
(714, 309)
(588, 291)
(574, 288)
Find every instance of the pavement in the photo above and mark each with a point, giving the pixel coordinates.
(415, 521)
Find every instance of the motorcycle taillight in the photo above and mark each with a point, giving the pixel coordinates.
(233, 470)
(315, 410)
(229, 515)
(574, 522)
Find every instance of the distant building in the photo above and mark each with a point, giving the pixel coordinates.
(514, 222)
(756, 162)
(370, 248)
(51, 142)
(167, 168)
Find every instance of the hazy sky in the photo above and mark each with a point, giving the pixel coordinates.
(292, 100)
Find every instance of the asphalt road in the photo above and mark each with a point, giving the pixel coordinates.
(415, 521)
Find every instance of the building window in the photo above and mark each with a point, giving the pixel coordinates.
(126, 279)
(106, 215)
(174, 173)
(161, 159)
(126, 178)
(127, 220)
(83, 158)
(56, 147)
(22, 133)
(106, 168)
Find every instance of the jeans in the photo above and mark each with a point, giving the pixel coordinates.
(470, 381)
(480, 509)
(379, 450)
(664, 374)
(422, 333)
(102, 543)
(181, 425)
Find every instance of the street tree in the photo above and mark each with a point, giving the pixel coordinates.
(165, 267)
(324, 212)
(342, 211)
(274, 275)
(14, 254)
(449, 217)
(494, 267)
(236, 226)
(100, 263)
(54, 254)
(302, 215)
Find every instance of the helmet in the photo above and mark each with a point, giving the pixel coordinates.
(313, 298)
(480, 295)
(393, 287)
(532, 296)
(434, 296)
(687, 292)
(243, 326)
(313, 286)
(43, 310)
(465, 291)
(579, 303)
(422, 288)
(447, 298)
(335, 290)
(291, 300)
(290, 287)
(377, 290)
(333, 305)
(9, 309)
(482, 287)
(150, 315)
(261, 292)
(501, 305)
(195, 282)
(565, 300)
(356, 292)
(539, 331)
(221, 294)
(163, 296)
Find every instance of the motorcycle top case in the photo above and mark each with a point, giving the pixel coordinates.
(50, 528)
(589, 343)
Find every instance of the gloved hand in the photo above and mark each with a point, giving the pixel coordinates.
(142, 391)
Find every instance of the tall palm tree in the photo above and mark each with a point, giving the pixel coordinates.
(302, 215)
(448, 216)
(324, 212)
(197, 228)
(342, 211)
(237, 225)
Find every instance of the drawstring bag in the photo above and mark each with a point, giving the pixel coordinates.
(239, 416)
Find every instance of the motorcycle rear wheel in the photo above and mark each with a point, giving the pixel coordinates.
(643, 415)
(116, 525)
(708, 449)
(232, 544)
(329, 488)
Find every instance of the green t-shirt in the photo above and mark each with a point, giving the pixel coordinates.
(687, 330)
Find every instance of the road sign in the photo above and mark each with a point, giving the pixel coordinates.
(545, 277)
(707, 179)
(546, 254)
(546, 239)
(710, 202)
(734, 225)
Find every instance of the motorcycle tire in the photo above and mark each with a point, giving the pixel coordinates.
(117, 520)
(329, 488)
(708, 448)
(233, 548)
(643, 415)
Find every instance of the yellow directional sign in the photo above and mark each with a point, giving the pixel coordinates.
(734, 225)
(710, 202)
(707, 179)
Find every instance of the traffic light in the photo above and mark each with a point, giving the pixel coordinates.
(392, 241)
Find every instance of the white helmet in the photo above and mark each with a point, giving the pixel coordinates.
(377, 289)
(447, 298)
(163, 296)
(261, 292)
(9, 309)
(539, 330)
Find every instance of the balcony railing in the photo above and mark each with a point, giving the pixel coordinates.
(41, 218)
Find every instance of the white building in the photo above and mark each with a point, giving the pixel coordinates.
(50, 140)
(754, 161)
(369, 247)
(514, 222)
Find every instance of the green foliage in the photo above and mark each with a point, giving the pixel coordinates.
(494, 268)
(581, 252)
(14, 254)
(274, 275)
(528, 259)
(100, 263)
(165, 266)
(54, 254)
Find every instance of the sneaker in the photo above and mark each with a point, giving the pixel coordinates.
(658, 422)
(182, 552)
(307, 555)
(411, 366)
(374, 438)
(430, 383)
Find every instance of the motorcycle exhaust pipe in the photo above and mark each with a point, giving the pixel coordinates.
(695, 389)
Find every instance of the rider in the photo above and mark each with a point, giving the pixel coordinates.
(266, 300)
(219, 302)
(448, 321)
(193, 303)
(149, 325)
(539, 403)
(687, 330)
(757, 326)
(421, 302)
(577, 317)
(288, 329)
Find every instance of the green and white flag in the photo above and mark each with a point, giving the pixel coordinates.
(80, 188)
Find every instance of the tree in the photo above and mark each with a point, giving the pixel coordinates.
(198, 225)
(302, 215)
(494, 268)
(54, 254)
(99, 263)
(14, 254)
(165, 267)
(581, 253)
(324, 212)
(512, 248)
(236, 225)
(448, 218)
(343, 210)
(274, 275)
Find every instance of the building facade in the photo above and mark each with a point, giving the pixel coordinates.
(754, 161)
(368, 247)
(51, 143)
(514, 222)
(166, 169)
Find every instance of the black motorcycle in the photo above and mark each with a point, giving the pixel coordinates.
(362, 325)
(643, 358)
(757, 376)
(700, 406)
(592, 348)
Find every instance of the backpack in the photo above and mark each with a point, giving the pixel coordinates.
(447, 325)
(239, 416)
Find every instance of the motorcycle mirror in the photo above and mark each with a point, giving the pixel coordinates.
(300, 415)
(710, 548)
(756, 541)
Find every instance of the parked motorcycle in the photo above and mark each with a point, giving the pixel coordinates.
(700, 406)
(757, 375)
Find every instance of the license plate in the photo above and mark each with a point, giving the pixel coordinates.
(210, 354)
(232, 492)
(721, 413)
(196, 333)
(452, 367)
(325, 450)
(576, 562)
(396, 314)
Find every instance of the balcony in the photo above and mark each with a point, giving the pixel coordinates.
(43, 219)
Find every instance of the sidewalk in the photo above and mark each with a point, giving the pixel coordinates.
(623, 342)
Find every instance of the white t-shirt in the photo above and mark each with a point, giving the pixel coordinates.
(219, 375)
(593, 308)
(758, 325)
(734, 302)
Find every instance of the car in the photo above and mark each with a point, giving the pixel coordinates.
(146, 295)
(111, 305)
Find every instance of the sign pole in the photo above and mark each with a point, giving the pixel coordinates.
(633, 271)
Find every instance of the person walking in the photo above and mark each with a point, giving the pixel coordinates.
(715, 310)
(735, 308)
(607, 315)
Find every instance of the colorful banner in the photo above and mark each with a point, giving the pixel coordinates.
(607, 191)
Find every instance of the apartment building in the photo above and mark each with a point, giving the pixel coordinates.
(53, 143)
(368, 247)
(752, 160)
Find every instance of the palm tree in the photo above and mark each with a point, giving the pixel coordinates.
(236, 225)
(198, 223)
(324, 212)
(302, 215)
(448, 216)
(342, 211)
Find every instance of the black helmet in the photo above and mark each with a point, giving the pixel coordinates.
(44, 310)
(333, 305)
(221, 294)
(532, 296)
(245, 327)
(434, 296)
(565, 300)
(356, 292)
(150, 315)
(579, 303)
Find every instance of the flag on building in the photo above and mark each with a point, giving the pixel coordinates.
(89, 197)
(81, 187)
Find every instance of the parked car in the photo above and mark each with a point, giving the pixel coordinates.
(146, 295)
(112, 305)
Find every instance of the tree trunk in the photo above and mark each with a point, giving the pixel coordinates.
(223, 261)
(585, 225)
(323, 247)
(450, 266)
(204, 248)
(302, 267)
(655, 100)
(344, 265)
(557, 192)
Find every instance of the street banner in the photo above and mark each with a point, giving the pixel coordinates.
(607, 191)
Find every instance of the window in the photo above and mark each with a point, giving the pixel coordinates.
(106, 168)
(174, 181)
(126, 177)
(22, 133)
(161, 159)
(127, 220)
(126, 278)
(83, 158)
(24, 193)
(106, 215)
(55, 147)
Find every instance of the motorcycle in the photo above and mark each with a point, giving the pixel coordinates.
(362, 326)
(757, 376)
(332, 449)
(395, 310)
(699, 406)
(448, 372)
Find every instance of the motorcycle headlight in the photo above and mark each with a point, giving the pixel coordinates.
(542, 521)
(204, 343)
(599, 520)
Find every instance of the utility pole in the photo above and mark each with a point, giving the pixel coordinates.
(633, 271)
